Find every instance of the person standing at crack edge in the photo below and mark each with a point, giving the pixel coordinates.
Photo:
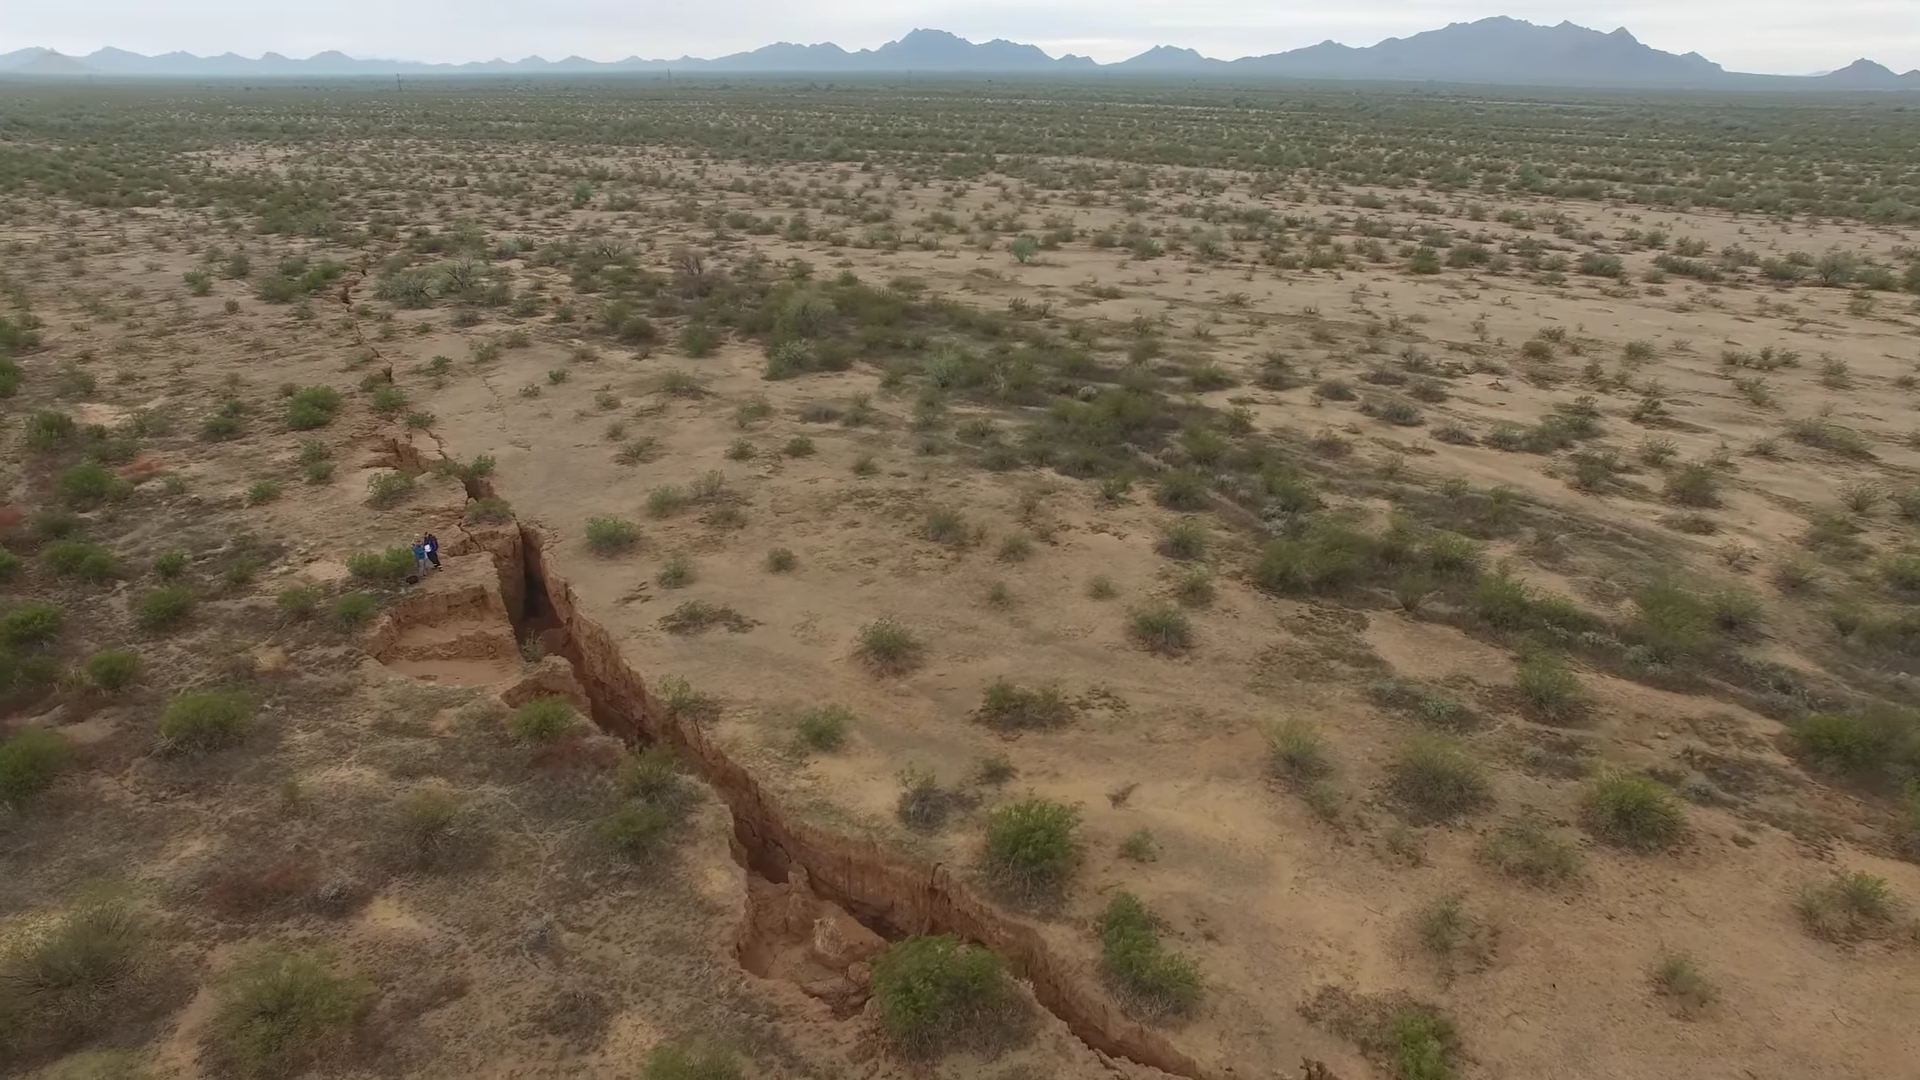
(432, 544)
(419, 560)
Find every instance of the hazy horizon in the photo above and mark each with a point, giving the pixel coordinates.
(1765, 36)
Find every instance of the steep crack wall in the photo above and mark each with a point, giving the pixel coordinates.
(889, 893)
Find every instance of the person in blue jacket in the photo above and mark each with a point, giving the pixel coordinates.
(419, 559)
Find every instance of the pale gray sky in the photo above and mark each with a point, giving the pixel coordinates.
(1775, 36)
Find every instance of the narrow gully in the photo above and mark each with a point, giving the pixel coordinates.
(892, 895)
(889, 893)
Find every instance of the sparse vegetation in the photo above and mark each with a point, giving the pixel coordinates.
(1633, 812)
(1032, 848)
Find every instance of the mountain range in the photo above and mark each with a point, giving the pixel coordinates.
(1496, 50)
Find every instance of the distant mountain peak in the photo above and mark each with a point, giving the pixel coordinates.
(1499, 49)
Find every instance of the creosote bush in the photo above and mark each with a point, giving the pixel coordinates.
(1526, 850)
(62, 982)
(1634, 812)
(825, 728)
(887, 647)
(1852, 904)
(938, 993)
(541, 720)
(112, 670)
(611, 535)
(163, 608)
(279, 1011)
(203, 720)
(1434, 778)
(1150, 981)
(393, 564)
(1032, 848)
(30, 761)
(696, 1062)
(1010, 707)
(1161, 628)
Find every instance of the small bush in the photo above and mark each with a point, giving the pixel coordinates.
(1018, 708)
(1633, 812)
(59, 984)
(937, 992)
(203, 720)
(393, 564)
(312, 407)
(280, 1011)
(1032, 848)
(34, 622)
(489, 511)
(89, 484)
(1182, 490)
(781, 560)
(1422, 1045)
(1549, 689)
(888, 647)
(79, 559)
(1524, 849)
(1678, 977)
(611, 535)
(262, 491)
(946, 527)
(1297, 751)
(1161, 628)
(158, 609)
(354, 609)
(825, 728)
(670, 1062)
(1852, 904)
(1433, 778)
(541, 720)
(386, 489)
(112, 670)
(30, 762)
(1150, 981)
(1694, 485)
(1184, 539)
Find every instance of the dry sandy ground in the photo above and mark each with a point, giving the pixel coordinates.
(1275, 901)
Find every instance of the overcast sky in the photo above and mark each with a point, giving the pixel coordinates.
(1774, 36)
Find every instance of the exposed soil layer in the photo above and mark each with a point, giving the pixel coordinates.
(820, 905)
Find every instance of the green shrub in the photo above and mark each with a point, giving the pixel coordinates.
(202, 720)
(10, 565)
(1017, 708)
(112, 670)
(611, 535)
(393, 564)
(354, 609)
(1672, 622)
(1694, 485)
(888, 647)
(635, 833)
(169, 565)
(386, 489)
(1433, 778)
(825, 728)
(278, 1011)
(937, 992)
(34, 622)
(312, 407)
(1161, 628)
(60, 984)
(79, 559)
(88, 484)
(1852, 904)
(1678, 977)
(1526, 850)
(1184, 539)
(47, 429)
(220, 427)
(1182, 490)
(946, 527)
(1634, 812)
(1843, 742)
(1422, 1044)
(1297, 751)
(781, 560)
(1328, 558)
(1150, 981)
(30, 762)
(488, 511)
(1549, 689)
(158, 609)
(298, 601)
(1032, 848)
(541, 720)
(670, 1062)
